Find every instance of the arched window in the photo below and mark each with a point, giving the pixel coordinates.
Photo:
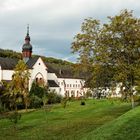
(36, 79)
(39, 78)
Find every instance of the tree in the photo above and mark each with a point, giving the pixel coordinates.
(4, 99)
(115, 46)
(1, 95)
(18, 87)
(38, 94)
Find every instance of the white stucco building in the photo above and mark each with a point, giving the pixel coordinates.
(40, 71)
(71, 87)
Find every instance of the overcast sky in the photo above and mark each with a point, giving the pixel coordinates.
(53, 23)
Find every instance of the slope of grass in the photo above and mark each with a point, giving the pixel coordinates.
(126, 127)
(73, 122)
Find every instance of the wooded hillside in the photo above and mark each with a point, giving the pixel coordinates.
(67, 69)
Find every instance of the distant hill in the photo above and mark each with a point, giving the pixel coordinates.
(61, 67)
(17, 55)
(10, 54)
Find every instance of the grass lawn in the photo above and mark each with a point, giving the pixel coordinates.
(75, 122)
(125, 127)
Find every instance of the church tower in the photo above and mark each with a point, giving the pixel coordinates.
(27, 47)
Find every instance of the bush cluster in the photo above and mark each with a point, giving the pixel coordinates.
(53, 97)
(40, 96)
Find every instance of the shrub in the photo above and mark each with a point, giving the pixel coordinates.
(1, 109)
(88, 94)
(58, 98)
(71, 99)
(40, 95)
(136, 98)
(14, 118)
(36, 102)
(53, 97)
(38, 91)
(64, 102)
(83, 103)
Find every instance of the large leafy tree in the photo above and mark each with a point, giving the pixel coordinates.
(18, 87)
(86, 45)
(115, 46)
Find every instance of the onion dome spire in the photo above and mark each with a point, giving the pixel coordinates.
(27, 47)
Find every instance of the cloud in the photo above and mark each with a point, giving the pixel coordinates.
(53, 23)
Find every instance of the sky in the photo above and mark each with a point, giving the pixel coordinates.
(53, 23)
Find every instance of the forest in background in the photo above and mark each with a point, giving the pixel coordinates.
(67, 68)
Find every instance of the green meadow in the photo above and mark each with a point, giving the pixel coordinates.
(97, 120)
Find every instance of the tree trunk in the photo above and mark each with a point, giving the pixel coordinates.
(26, 107)
(132, 101)
(26, 102)
(44, 103)
(16, 110)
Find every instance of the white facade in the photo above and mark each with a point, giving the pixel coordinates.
(52, 76)
(38, 72)
(67, 86)
(71, 87)
(63, 86)
(6, 74)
